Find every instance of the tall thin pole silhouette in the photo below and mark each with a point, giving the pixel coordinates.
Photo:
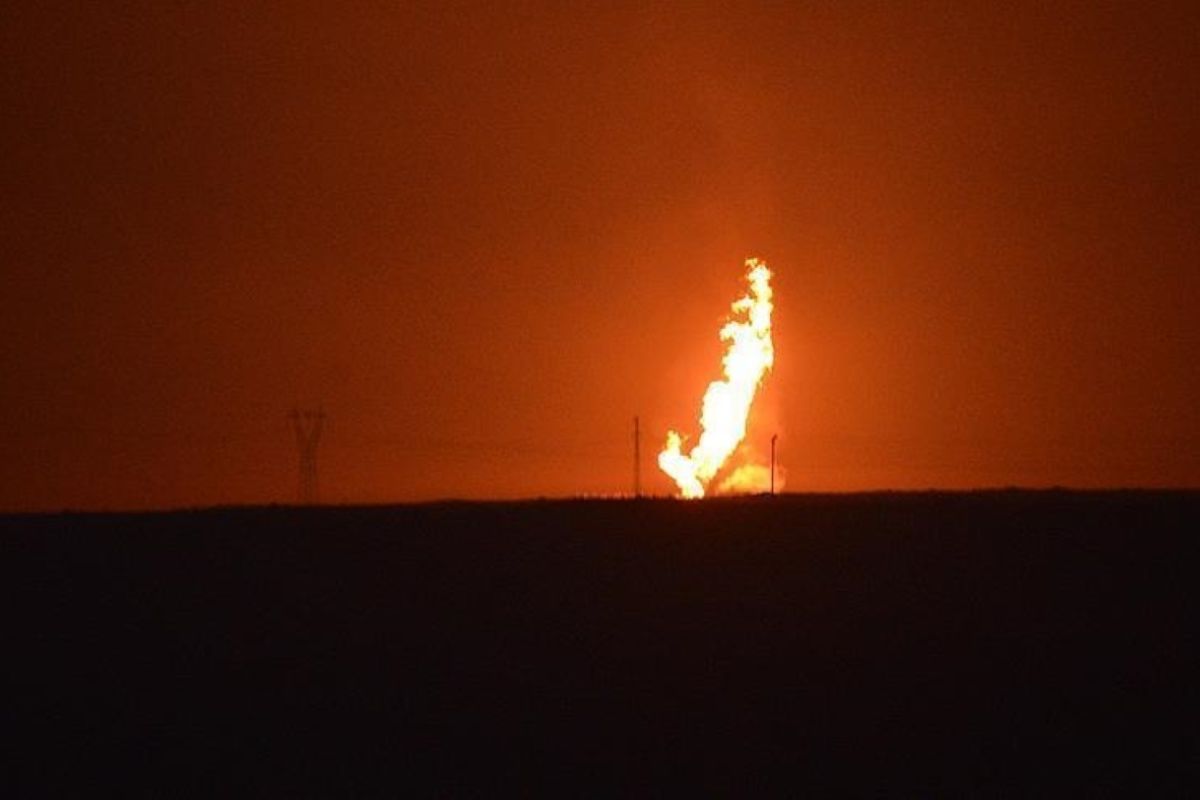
(774, 436)
(307, 426)
(637, 458)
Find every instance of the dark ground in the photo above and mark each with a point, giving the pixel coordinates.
(1002, 643)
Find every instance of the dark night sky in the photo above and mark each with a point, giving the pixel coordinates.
(484, 238)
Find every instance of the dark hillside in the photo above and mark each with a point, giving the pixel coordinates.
(999, 642)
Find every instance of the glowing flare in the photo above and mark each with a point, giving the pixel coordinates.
(726, 407)
(749, 478)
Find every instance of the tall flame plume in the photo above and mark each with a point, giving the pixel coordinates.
(749, 354)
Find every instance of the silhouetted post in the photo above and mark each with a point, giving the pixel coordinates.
(637, 458)
(307, 426)
(774, 436)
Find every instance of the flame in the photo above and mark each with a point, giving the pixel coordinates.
(749, 355)
(750, 479)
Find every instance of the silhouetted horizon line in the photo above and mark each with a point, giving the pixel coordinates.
(599, 498)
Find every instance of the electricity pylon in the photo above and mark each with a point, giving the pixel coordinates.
(773, 438)
(307, 426)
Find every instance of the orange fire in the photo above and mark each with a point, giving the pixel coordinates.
(750, 353)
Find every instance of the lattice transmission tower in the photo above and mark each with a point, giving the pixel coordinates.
(307, 426)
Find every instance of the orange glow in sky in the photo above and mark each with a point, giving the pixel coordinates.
(483, 240)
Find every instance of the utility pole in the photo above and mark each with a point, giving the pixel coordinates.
(637, 458)
(774, 436)
(307, 426)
